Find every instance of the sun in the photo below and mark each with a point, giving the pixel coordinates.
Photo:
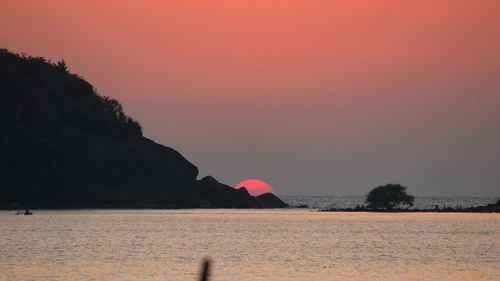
(255, 187)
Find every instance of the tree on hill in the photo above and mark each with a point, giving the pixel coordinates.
(389, 196)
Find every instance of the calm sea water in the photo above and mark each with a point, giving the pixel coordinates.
(248, 245)
(421, 202)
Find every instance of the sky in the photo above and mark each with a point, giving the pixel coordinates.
(313, 97)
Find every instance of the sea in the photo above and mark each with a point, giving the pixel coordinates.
(280, 244)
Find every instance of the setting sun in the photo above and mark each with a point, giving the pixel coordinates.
(255, 187)
(249, 140)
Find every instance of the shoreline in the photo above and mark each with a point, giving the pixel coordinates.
(490, 208)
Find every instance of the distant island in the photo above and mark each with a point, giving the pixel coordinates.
(393, 198)
(65, 146)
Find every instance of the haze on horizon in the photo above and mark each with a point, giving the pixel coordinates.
(313, 97)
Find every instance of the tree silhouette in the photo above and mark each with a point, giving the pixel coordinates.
(61, 67)
(389, 196)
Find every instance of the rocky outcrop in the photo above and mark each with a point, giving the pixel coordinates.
(270, 200)
(219, 195)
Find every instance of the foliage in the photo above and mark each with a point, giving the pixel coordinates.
(389, 196)
(34, 90)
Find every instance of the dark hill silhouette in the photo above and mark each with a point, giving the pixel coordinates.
(64, 146)
(270, 200)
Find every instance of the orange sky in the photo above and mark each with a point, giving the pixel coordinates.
(337, 95)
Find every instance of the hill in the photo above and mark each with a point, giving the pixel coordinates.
(65, 146)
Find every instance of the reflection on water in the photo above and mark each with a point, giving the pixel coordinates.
(248, 245)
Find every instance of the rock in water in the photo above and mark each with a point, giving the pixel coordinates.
(220, 195)
(270, 200)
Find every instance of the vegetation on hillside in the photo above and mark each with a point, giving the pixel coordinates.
(37, 93)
